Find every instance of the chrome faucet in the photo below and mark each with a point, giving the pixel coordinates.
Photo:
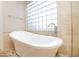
(55, 27)
(51, 24)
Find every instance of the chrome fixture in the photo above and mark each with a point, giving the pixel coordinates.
(53, 25)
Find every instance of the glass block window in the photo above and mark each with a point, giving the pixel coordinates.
(40, 14)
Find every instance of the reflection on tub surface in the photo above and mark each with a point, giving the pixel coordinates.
(29, 44)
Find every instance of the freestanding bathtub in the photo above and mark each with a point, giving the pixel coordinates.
(33, 45)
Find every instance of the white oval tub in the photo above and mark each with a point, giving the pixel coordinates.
(30, 44)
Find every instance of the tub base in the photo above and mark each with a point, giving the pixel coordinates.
(25, 50)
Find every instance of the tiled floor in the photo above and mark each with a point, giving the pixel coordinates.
(13, 54)
(7, 54)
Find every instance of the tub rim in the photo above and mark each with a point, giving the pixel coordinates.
(38, 45)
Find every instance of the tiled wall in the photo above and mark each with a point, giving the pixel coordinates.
(68, 28)
(64, 27)
(1, 27)
(75, 18)
(13, 20)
